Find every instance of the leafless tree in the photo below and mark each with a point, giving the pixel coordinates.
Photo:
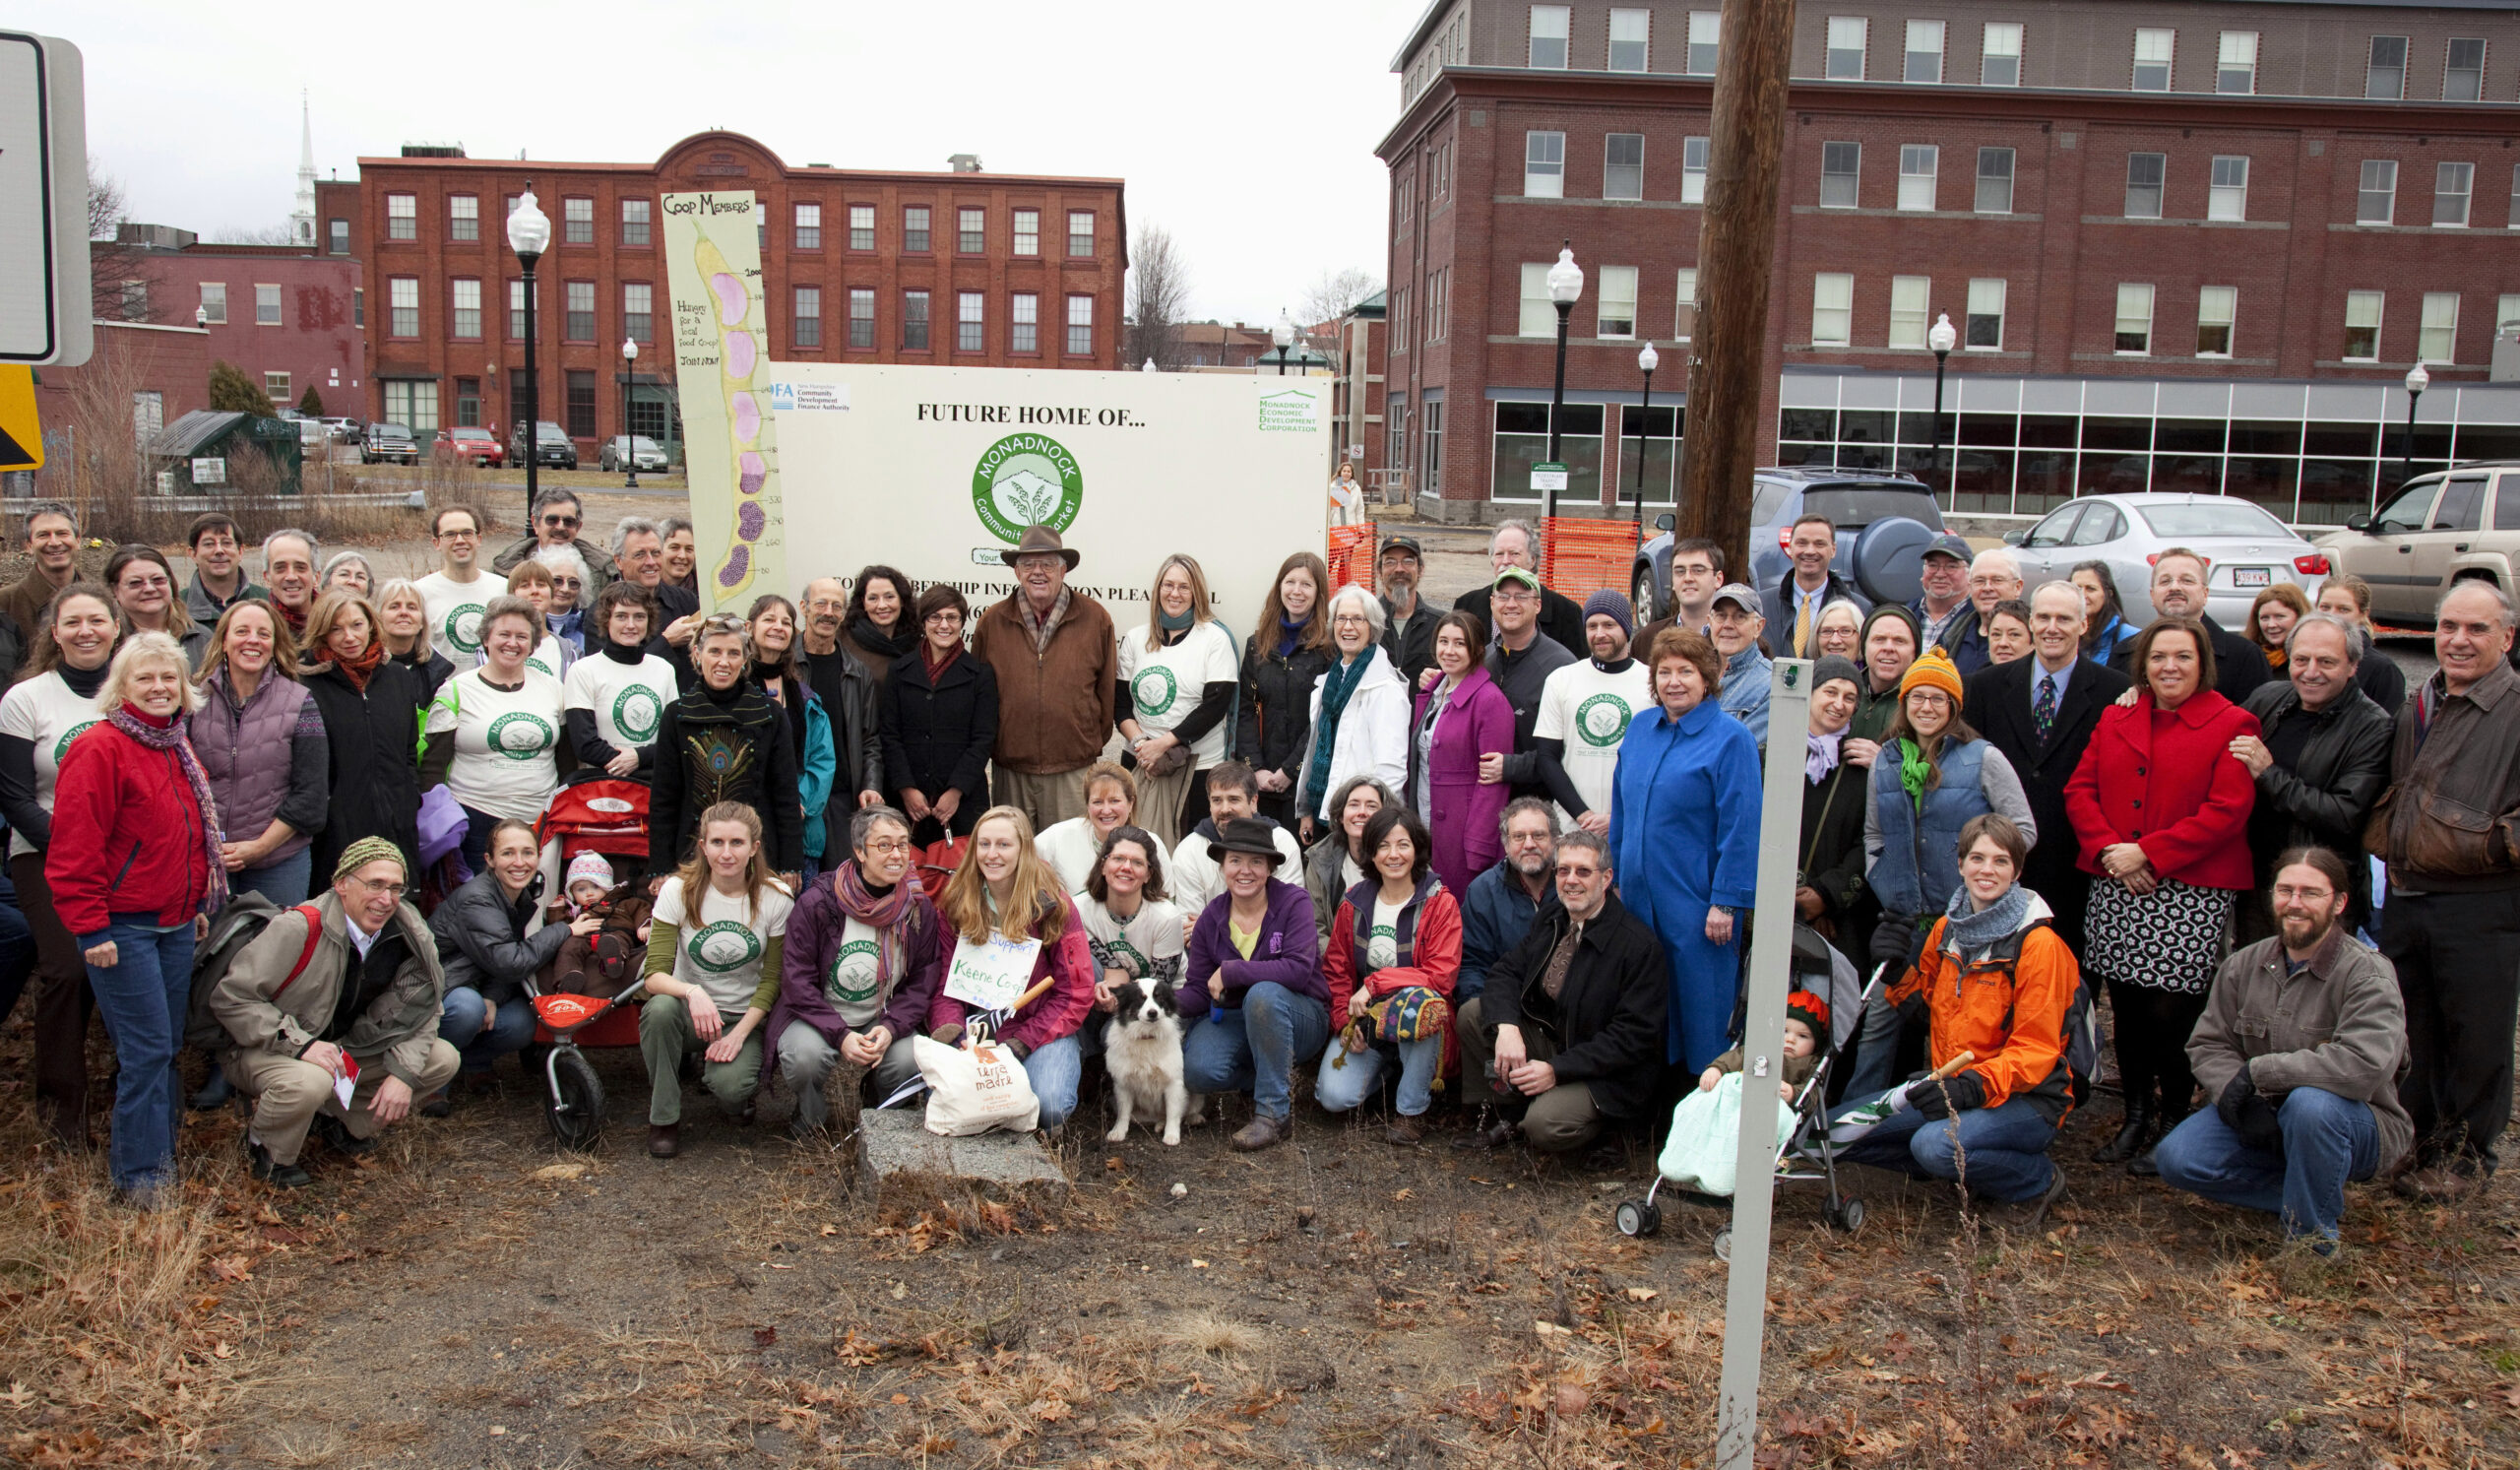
(111, 262)
(1159, 298)
(259, 235)
(1334, 295)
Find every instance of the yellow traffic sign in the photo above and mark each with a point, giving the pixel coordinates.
(21, 436)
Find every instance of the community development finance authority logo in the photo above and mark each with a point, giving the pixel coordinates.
(1602, 720)
(1026, 480)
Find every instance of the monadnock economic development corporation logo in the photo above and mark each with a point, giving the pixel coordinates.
(1026, 480)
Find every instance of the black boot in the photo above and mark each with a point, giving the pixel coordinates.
(2131, 1134)
(2142, 1164)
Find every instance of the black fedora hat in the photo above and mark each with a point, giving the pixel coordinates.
(1245, 834)
(1037, 540)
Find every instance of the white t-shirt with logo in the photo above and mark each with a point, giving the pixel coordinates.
(1139, 944)
(1589, 710)
(850, 980)
(551, 656)
(628, 700)
(455, 612)
(721, 950)
(504, 741)
(48, 714)
(1165, 684)
(1382, 939)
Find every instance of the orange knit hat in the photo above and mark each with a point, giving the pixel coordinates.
(1935, 671)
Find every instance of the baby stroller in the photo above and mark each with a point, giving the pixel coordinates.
(607, 816)
(1806, 1156)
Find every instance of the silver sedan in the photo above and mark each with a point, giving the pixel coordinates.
(2247, 549)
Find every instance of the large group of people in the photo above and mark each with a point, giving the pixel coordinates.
(1499, 855)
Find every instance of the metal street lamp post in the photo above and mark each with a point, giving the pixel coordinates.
(528, 235)
(1284, 335)
(1645, 360)
(629, 441)
(1566, 285)
(1942, 339)
(2417, 381)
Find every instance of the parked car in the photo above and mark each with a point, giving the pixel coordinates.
(469, 445)
(313, 438)
(2443, 528)
(388, 442)
(643, 453)
(553, 449)
(1883, 523)
(344, 430)
(2246, 548)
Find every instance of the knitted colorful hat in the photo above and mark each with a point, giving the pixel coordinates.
(1609, 603)
(589, 867)
(1811, 1011)
(365, 851)
(1935, 671)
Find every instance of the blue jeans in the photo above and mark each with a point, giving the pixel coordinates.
(1255, 1047)
(459, 1025)
(282, 882)
(1876, 1052)
(2327, 1140)
(143, 998)
(2005, 1148)
(1342, 1084)
(17, 947)
(1055, 1069)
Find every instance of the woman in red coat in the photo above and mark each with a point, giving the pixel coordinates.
(1458, 740)
(1395, 947)
(2161, 808)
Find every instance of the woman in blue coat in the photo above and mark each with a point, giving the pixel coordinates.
(1685, 838)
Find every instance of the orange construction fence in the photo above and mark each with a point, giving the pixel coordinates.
(1350, 555)
(1581, 556)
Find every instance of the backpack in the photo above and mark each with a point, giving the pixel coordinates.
(232, 929)
(2081, 1025)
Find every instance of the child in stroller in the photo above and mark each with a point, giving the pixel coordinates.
(603, 963)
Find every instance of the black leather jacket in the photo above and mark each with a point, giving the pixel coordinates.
(2327, 796)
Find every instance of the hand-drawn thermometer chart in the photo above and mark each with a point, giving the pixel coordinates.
(722, 368)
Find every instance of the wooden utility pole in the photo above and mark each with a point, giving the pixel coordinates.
(1728, 368)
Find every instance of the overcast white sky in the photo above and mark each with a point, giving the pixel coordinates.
(1247, 131)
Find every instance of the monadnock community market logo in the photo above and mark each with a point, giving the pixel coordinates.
(518, 735)
(636, 711)
(61, 752)
(463, 627)
(1026, 480)
(854, 963)
(1153, 689)
(1602, 720)
(724, 947)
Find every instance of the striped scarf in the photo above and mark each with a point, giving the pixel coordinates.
(170, 737)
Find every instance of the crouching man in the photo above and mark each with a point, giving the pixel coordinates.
(2302, 1047)
(365, 994)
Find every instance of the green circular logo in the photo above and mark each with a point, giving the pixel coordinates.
(636, 711)
(1153, 690)
(724, 947)
(61, 752)
(853, 971)
(520, 736)
(1602, 720)
(1026, 480)
(463, 628)
(1125, 956)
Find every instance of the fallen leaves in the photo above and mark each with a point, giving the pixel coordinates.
(555, 1173)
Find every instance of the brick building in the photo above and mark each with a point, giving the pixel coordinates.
(963, 269)
(2187, 246)
(290, 317)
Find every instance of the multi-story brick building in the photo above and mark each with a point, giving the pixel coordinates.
(959, 268)
(287, 315)
(2186, 245)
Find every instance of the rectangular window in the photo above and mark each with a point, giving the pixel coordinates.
(1684, 312)
(915, 321)
(970, 229)
(1028, 231)
(2452, 183)
(861, 227)
(971, 326)
(1986, 328)
(1706, 31)
(135, 301)
(413, 404)
(359, 306)
(581, 419)
(2134, 319)
(340, 236)
(1545, 166)
(1832, 308)
(2515, 196)
(467, 402)
(1911, 297)
(276, 388)
(1925, 52)
(861, 316)
(1995, 181)
(2144, 185)
(1430, 420)
(578, 311)
(1023, 309)
(1080, 232)
(403, 305)
(401, 216)
(2385, 76)
(1840, 163)
(809, 227)
(1623, 166)
(2377, 201)
(2235, 68)
(1079, 326)
(2153, 51)
(2506, 313)
(2216, 305)
(1616, 312)
(1846, 48)
(1549, 30)
(467, 301)
(1628, 30)
(2463, 81)
(1539, 316)
(214, 302)
(2440, 340)
(1917, 162)
(1693, 170)
(638, 312)
(516, 309)
(464, 217)
(577, 221)
(810, 317)
(2362, 324)
(914, 234)
(2228, 198)
(2000, 55)
(267, 307)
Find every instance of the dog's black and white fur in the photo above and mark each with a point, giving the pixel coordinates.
(1141, 1050)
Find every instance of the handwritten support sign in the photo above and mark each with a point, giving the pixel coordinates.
(992, 975)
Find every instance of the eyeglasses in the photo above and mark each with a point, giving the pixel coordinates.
(947, 619)
(560, 519)
(382, 887)
(887, 847)
(1351, 620)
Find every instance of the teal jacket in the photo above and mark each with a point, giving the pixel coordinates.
(814, 777)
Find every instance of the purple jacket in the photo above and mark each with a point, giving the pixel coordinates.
(1477, 720)
(814, 932)
(1289, 951)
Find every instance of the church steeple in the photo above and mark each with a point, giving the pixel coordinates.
(301, 222)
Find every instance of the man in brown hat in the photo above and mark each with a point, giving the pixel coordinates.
(1053, 652)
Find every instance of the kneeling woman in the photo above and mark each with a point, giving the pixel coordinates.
(1004, 890)
(1255, 982)
(487, 955)
(713, 970)
(1395, 951)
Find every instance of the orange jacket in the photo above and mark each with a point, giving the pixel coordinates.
(2008, 1006)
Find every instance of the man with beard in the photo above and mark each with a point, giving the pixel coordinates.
(1409, 624)
(1498, 912)
(1520, 659)
(2179, 590)
(850, 692)
(1055, 656)
(2302, 1046)
(1584, 710)
(1733, 626)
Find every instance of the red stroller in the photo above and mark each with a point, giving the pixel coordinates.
(607, 816)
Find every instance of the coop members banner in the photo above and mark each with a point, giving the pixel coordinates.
(721, 374)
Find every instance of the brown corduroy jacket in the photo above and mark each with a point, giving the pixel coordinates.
(1055, 708)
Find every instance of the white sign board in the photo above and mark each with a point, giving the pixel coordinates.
(45, 313)
(210, 470)
(993, 975)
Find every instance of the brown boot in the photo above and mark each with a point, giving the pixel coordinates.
(1406, 1131)
(1263, 1131)
(2440, 1183)
(665, 1140)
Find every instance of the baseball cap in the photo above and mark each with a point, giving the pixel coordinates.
(1408, 544)
(1947, 544)
(1737, 594)
(1522, 574)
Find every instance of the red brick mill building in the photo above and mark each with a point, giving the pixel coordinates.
(957, 269)
(2187, 246)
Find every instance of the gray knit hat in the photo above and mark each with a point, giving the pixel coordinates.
(1612, 604)
(1835, 665)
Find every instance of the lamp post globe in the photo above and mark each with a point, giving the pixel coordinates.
(1565, 286)
(1647, 359)
(1284, 335)
(528, 235)
(2417, 381)
(1941, 338)
(629, 441)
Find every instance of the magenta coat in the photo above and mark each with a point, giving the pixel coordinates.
(1477, 720)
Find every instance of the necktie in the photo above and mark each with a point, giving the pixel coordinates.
(1560, 960)
(2045, 710)
(1802, 625)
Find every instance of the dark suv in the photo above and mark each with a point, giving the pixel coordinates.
(553, 449)
(388, 442)
(1883, 522)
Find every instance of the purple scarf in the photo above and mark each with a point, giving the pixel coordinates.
(888, 915)
(170, 737)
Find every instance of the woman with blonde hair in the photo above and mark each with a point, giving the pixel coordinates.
(712, 971)
(1178, 675)
(1002, 890)
(533, 581)
(1840, 631)
(370, 703)
(1072, 847)
(2349, 597)
(1286, 654)
(349, 572)
(402, 622)
(260, 737)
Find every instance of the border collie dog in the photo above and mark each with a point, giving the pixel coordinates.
(1141, 1050)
